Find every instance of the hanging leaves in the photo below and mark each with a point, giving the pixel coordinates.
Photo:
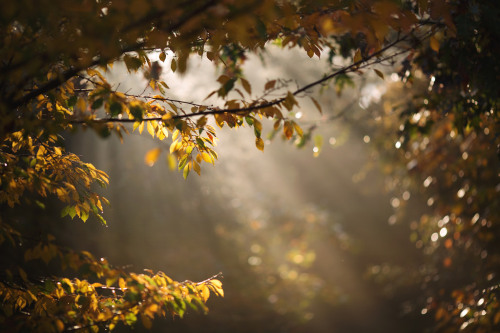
(54, 77)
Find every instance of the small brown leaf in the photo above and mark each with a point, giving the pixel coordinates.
(270, 85)
(246, 86)
(379, 73)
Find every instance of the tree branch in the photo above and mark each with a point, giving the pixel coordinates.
(365, 62)
(68, 74)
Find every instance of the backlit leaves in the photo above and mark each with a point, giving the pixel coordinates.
(124, 298)
(53, 79)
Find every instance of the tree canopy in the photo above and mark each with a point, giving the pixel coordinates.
(53, 66)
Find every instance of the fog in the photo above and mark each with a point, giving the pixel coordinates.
(293, 235)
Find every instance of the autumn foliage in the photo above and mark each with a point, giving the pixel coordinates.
(53, 66)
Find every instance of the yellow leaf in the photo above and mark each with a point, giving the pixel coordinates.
(176, 145)
(204, 292)
(151, 129)
(206, 157)
(151, 310)
(152, 156)
(297, 129)
(171, 162)
(196, 168)
(136, 124)
(69, 284)
(41, 152)
(161, 134)
(175, 134)
(216, 283)
(217, 286)
(259, 143)
(185, 173)
(122, 284)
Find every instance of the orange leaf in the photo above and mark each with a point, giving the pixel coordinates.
(288, 130)
(152, 156)
(434, 43)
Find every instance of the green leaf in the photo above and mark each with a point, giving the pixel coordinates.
(65, 211)
(130, 318)
(183, 161)
(103, 221)
(84, 216)
(132, 63)
(40, 204)
(257, 128)
(185, 173)
(261, 28)
(115, 108)
(71, 211)
(136, 111)
(72, 101)
(226, 88)
(97, 104)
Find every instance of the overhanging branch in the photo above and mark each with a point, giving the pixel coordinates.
(363, 63)
(68, 74)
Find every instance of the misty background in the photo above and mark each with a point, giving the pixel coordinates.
(295, 236)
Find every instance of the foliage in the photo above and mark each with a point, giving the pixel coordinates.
(448, 144)
(452, 178)
(53, 80)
